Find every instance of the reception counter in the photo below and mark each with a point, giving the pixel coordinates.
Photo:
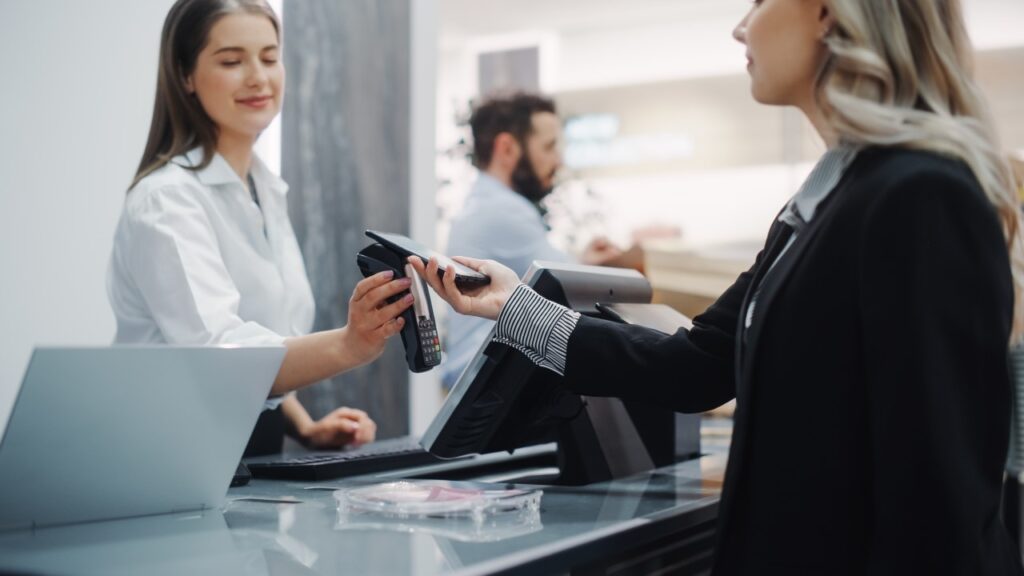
(663, 519)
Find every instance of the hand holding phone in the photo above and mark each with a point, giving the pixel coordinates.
(465, 277)
(485, 302)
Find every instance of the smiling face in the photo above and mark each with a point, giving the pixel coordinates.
(784, 49)
(238, 77)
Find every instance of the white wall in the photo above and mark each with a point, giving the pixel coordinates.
(78, 86)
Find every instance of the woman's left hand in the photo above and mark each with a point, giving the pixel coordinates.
(343, 427)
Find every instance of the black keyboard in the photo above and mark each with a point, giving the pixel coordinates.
(382, 456)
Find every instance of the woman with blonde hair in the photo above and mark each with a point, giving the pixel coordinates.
(867, 345)
(204, 252)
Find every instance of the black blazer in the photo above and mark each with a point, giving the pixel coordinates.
(873, 390)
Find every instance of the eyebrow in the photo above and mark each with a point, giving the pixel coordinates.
(240, 49)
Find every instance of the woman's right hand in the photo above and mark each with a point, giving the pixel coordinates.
(486, 301)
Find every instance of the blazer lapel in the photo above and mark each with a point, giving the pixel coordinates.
(746, 343)
(774, 279)
(778, 235)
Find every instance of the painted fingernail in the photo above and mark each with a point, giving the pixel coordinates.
(408, 298)
(389, 273)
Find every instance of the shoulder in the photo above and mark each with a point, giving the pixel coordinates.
(487, 212)
(170, 186)
(899, 170)
(890, 178)
(907, 199)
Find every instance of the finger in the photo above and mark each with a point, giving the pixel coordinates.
(367, 284)
(433, 278)
(421, 269)
(347, 426)
(417, 264)
(485, 267)
(366, 435)
(473, 263)
(378, 296)
(386, 314)
(351, 413)
(367, 431)
(449, 286)
(388, 329)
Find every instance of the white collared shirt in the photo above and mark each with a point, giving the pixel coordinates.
(196, 261)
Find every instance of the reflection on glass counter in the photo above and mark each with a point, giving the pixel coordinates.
(282, 528)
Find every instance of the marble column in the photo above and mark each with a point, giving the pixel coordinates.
(346, 157)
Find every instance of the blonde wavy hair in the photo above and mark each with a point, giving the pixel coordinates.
(899, 73)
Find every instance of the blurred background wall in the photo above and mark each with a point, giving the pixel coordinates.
(660, 125)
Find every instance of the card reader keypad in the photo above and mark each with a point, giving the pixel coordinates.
(430, 344)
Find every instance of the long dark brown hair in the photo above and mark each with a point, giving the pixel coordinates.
(179, 121)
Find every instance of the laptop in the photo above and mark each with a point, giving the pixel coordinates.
(115, 432)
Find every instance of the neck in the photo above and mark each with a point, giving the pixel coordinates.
(237, 151)
(817, 119)
(503, 176)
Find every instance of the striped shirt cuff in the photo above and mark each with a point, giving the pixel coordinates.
(537, 327)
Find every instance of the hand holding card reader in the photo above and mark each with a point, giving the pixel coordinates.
(419, 334)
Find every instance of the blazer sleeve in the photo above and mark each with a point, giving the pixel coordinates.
(936, 300)
(690, 371)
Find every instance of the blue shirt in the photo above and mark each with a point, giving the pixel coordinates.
(496, 223)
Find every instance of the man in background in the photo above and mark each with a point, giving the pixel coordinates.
(517, 149)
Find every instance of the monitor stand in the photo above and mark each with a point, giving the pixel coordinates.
(601, 443)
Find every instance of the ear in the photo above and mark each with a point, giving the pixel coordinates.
(506, 147)
(189, 86)
(826, 20)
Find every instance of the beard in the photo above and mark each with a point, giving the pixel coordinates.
(526, 182)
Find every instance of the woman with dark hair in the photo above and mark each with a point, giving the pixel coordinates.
(867, 346)
(204, 252)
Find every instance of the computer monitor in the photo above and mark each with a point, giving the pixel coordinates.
(503, 401)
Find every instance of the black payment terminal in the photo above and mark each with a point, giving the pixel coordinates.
(419, 334)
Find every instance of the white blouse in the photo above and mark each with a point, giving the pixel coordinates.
(196, 261)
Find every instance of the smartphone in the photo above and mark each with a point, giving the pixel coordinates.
(465, 278)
